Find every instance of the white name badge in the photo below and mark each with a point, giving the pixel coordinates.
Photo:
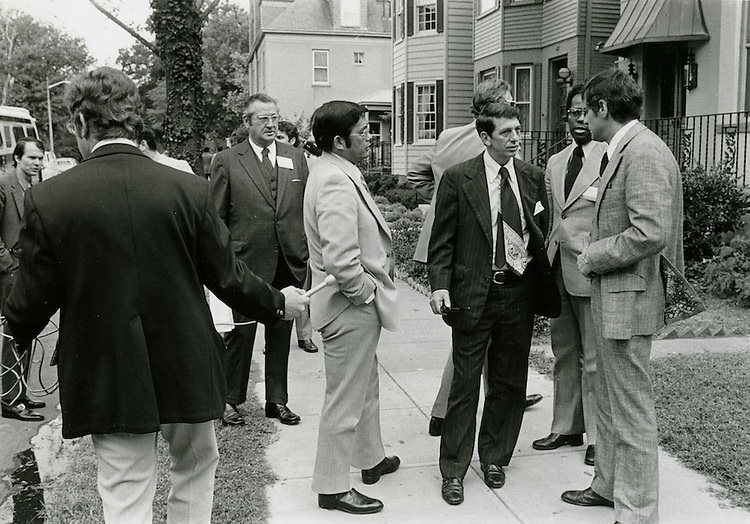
(284, 162)
(590, 194)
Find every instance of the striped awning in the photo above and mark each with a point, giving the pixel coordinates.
(655, 21)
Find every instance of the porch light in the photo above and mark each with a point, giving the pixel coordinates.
(564, 76)
(691, 72)
(632, 73)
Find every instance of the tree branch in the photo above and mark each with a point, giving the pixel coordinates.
(207, 11)
(132, 32)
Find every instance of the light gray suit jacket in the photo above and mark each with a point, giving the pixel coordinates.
(348, 238)
(571, 218)
(637, 224)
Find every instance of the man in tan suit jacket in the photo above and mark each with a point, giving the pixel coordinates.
(348, 239)
(27, 161)
(636, 234)
(572, 178)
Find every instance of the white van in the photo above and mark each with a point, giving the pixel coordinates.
(15, 123)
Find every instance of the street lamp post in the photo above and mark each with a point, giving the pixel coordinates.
(49, 114)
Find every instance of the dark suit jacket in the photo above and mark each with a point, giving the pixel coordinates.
(122, 245)
(11, 213)
(260, 226)
(461, 248)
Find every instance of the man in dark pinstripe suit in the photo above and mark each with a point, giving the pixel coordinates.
(489, 275)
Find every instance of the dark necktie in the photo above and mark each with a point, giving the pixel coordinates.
(603, 165)
(574, 167)
(268, 172)
(509, 247)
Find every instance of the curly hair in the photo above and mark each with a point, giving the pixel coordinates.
(108, 101)
(489, 92)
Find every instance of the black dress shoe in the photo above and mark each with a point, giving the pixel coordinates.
(33, 404)
(281, 412)
(586, 497)
(453, 491)
(385, 466)
(308, 345)
(590, 455)
(351, 501)
(436, 426)
(20, 411)
(555, 440)
(532, 399)
(232, 417)
(494, 476)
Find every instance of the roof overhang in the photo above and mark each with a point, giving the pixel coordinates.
(657, 21)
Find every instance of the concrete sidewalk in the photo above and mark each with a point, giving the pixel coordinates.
(411, 364)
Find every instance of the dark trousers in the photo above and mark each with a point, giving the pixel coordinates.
(504, 335)
(239, 351)
(13, 368)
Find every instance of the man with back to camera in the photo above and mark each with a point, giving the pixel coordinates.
(257, 187)
(27, 163)
(350, 240)
(454, 145)
(123, 246)
(489, 276)
(572, 178)
(635, 236)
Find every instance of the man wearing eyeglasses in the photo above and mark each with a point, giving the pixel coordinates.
(572, 181)
(257, 187)
(489, 276)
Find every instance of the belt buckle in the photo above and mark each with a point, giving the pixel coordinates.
(498, 273)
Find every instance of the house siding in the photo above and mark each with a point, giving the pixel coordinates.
(460, 68)
(488, 35)
(522, 27)
(560, 21)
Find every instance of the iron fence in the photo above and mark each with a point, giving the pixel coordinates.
(538, 146)
(378, 158)
(707, 140)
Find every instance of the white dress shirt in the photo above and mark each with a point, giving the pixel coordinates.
(259, 151)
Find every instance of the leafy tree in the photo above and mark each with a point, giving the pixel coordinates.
(35, 55)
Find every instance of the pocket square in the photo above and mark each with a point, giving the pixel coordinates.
(590, 194)
(538, 208)
(297, 180)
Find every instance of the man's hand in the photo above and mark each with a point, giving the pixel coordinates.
(584, 266)
(294, 302)
(439, 300)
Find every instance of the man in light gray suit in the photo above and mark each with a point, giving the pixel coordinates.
(636, 236)
(349, 239)
(572, 178)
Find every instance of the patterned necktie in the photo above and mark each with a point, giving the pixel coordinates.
(268, 172)
(603, 165)
(509, 248)
(574, 167)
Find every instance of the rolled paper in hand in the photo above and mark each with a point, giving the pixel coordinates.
(329, 281)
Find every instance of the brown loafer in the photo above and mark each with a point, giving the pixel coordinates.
(308, 345)
(586, 497)
(385, 466)
(351, 501)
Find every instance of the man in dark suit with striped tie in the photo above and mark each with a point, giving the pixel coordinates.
(489, 275)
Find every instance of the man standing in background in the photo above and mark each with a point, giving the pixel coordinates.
(572, 178)
(27, 162)
(257, 188)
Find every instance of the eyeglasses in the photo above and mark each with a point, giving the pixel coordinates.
(365, 134)
(266, 119)
(70, 126)
(576, 113)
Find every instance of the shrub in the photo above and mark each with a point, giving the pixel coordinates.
(405, 225)
(728, 274)
(714, 205)
(393, 187)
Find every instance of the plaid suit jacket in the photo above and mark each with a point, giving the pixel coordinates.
(637, 224)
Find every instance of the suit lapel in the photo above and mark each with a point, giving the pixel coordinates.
(250, 163)
(560, 171)
(588, 175)
(17, 192)
(475, 189)
(528, 196)
(614, 162)
(284, 175)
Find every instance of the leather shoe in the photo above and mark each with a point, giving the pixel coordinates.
(20, 411)
(453, 491)
(555, 440)
(532, 399)
(283, 413)
(33, 404)
(351, 501)
(385, 466)
(590, 455)
(494, 476)
(232, 417)
(586, 497)
(308, 345)
(436, 426)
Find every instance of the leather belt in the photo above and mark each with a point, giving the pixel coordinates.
(503, 276)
